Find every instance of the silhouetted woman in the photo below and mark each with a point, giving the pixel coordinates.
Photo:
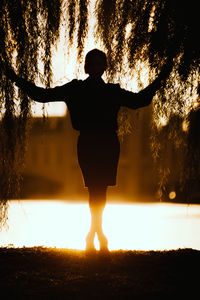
(93, 106)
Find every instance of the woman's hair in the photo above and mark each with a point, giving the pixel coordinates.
(91, 54)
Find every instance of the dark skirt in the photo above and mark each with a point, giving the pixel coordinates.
(98, 156)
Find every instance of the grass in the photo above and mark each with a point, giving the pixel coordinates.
(48, 273)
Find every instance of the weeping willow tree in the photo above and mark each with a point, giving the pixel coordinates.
(135, 34)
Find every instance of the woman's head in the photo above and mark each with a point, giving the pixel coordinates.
(95, 63)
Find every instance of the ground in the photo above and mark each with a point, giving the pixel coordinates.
(46, 273)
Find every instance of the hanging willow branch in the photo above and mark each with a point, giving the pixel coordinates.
(152, 32)
(133, 33)
(22, 35)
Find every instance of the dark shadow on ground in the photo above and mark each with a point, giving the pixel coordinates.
(44, 273)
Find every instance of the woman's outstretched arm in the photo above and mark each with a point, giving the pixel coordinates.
(36, 93)
(145, 96)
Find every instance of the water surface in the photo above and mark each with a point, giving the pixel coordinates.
(153, 226)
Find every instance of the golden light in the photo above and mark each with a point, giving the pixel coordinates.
(65, 225)
(162, 121)
(153, 226)
(172, 195)
(185, 125)
(66, 68)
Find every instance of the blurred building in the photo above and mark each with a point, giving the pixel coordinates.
(51, 166)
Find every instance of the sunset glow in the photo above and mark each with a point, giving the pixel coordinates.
(136, 226)
(65, 68)
(65, 225)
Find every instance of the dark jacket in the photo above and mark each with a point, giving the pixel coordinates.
(91, 106)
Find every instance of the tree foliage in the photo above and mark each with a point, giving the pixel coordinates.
(132, 32)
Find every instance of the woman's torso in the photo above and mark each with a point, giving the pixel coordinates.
(94, 107)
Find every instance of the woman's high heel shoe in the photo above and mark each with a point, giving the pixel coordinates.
(103, 243)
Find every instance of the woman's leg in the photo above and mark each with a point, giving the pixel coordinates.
(97, 202)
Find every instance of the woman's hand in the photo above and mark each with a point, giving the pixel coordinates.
(10, 73)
